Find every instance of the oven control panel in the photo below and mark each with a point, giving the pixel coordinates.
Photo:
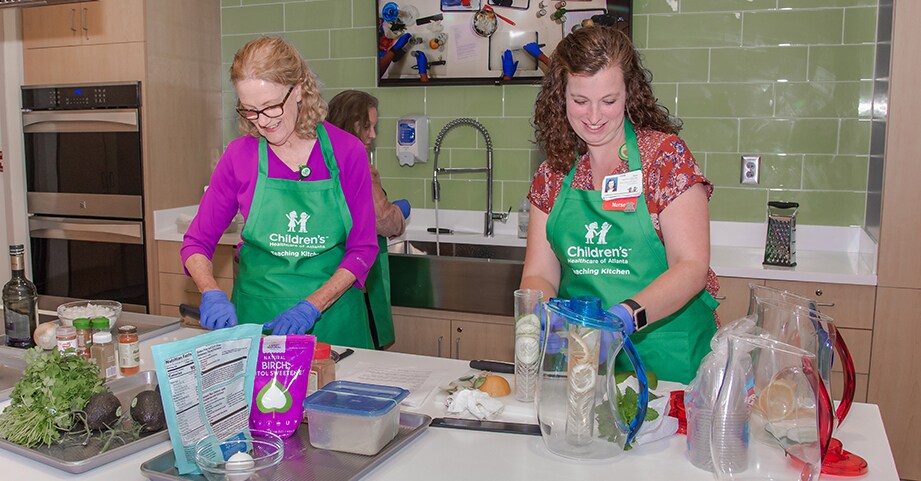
(81, 97)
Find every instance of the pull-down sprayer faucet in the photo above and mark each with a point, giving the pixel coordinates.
(489, 216)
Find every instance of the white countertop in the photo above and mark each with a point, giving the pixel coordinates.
(453, 454)
(839, 255)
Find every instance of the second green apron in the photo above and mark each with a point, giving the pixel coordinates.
(293, 242)
(615, 254)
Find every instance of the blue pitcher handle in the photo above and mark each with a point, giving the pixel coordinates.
(643, 401)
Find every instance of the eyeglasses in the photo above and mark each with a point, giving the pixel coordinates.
(272, 111)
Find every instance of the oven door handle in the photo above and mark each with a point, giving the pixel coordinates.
(116, 120)
(92, 230)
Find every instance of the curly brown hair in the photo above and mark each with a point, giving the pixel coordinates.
(588, 51)
(349, 109)
(274, 60)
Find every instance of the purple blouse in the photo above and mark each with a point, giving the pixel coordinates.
(234, 181)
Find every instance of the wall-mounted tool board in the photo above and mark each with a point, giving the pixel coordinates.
(444, 31)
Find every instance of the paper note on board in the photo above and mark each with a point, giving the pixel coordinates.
(466, 43)
(418, 382)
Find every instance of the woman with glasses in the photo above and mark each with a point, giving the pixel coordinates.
(304, 190)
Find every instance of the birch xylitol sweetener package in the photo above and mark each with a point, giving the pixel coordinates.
(205, 383)
(281, 384)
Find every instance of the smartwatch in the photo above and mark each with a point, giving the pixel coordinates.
(639, 313)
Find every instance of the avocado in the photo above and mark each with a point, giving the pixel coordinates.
(102, 411)
(147, 410)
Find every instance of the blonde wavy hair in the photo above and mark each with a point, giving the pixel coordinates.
(274, 60)
(586, 52)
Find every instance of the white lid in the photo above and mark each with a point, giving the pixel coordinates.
(102, 337)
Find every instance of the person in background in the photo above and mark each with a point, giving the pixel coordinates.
(596, 116)
(304, 190)
(356, 112)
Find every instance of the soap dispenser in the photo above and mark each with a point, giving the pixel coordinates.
(524, 214)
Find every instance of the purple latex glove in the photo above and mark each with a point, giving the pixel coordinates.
(216, 310)
(509, 64)
(533, 48)
(621, 313)
(422, 63)
(297, 320)
(404, 206)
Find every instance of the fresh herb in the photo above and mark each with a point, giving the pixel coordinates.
(626, 410)
(44, 402)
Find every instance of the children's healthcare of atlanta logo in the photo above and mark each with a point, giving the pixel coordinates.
(297, 224)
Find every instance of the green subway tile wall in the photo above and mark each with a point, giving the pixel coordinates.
(790, 80)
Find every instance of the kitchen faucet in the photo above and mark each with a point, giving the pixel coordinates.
(490, 216)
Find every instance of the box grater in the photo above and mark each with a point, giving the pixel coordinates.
(780, 245)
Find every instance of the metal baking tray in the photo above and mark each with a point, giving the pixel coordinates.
(303, 462)
(75, 458)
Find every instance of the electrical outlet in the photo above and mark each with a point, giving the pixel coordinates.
(751, 169)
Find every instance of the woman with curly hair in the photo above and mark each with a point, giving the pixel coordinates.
(304, 190)
(597, 120)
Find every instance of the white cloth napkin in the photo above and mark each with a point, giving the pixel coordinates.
(474, 401)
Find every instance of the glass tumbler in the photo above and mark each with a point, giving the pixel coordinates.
(527, 342)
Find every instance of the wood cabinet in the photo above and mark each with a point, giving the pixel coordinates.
(173, 48)
(734, 297)
(457, 335)
(177, 288)
(83, 23)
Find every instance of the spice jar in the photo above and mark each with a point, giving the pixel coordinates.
(322, 369)
(100, 324)
(67, 339)
(129, 357)
(84, 336)
(103, 352)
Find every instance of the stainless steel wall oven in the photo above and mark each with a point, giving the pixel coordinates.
(84, 182)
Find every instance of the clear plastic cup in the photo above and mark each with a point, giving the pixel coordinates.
(527, 342)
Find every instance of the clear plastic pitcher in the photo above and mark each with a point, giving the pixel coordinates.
(578, 398)
(789, 417)
(786, 323)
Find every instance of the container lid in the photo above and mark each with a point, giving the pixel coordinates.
(355, 398)
(100, 322)
(102, 337)
(127, 330)
(322, 351)
(82, 323)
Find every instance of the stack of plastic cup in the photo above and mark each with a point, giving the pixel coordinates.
(699, 420)
(729, 440)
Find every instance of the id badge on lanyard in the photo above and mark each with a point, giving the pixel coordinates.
(621, 192)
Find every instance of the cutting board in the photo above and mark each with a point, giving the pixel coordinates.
(502, 40)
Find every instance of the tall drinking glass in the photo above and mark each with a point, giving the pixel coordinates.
(527, 342)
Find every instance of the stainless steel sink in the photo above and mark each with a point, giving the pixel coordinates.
(452, 249)
(464, 277)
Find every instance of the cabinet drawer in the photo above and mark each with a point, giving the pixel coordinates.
(734, 297)
(421, 335)
(170, 260)
(859, 343)
(169, 310)
(849, 305)
(178, 289)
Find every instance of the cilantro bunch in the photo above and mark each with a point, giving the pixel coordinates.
(53, 387)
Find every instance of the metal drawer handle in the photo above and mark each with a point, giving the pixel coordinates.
(457, 348)
(190, 291)
(440, 338)
(720, 298)
(825, 304)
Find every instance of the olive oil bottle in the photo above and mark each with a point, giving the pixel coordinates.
(20, 303)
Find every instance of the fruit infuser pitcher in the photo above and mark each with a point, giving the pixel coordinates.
(822, 322)
(796, 414)
(814, 332)
(581, 411)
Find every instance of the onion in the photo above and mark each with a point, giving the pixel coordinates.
(45, 335)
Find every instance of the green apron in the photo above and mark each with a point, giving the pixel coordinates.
(378, 287)
(293, 242)
(622, 260)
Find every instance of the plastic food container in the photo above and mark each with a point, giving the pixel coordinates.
(353, 417)
(89, 309)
